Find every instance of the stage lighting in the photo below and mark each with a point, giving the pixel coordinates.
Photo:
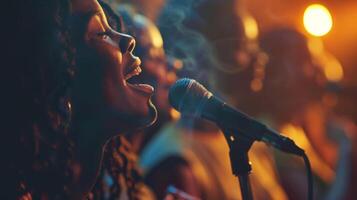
(317, 20)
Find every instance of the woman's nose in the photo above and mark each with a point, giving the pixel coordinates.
(126, 43)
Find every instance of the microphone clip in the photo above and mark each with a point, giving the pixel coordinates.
(240, 164)
(238, 152)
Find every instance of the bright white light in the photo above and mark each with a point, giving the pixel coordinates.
(317, 20)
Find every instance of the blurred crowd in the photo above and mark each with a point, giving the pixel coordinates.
(119, 152)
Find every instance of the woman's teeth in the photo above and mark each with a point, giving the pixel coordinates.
(135, 72)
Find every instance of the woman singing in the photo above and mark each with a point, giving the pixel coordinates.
(69, 93)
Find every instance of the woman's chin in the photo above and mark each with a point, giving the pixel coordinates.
(150, 118)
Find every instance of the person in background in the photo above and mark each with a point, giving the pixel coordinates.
(288, 95)
(305, 115)
(69, 94)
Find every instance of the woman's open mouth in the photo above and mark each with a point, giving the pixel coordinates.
(135, 70)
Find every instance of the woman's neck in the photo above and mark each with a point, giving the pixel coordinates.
(87, 158)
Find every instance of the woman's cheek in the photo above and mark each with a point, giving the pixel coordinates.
(109, 55)
(100, 45)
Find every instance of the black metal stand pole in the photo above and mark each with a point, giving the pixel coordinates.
(241, 166)
(245, 188)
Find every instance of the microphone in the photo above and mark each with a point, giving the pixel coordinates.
(190, 97)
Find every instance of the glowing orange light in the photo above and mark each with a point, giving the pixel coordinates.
(316, 46)
(256, 85)
(175, 114)
(333, 70)
(317, 20)
(250, 26)
(331, 67)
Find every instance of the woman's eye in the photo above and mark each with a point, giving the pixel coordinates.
(103, 35)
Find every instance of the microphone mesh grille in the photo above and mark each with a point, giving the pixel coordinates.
(187, 95)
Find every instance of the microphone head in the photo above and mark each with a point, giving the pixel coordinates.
(188, 96)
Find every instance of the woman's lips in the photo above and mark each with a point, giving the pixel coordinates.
(134, 72)
(148, 89)
(145, 88)
(133, 69)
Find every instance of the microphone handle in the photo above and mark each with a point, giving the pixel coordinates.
(230, 118)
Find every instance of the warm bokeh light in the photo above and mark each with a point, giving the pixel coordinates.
(256, 85)
(250, 26)
(316, 46)
(333, 69)
(330, 65)
(175, 114)
(317, 20)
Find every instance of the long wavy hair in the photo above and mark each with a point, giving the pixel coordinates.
(36, 140)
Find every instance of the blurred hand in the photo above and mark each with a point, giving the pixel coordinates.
(175, 194)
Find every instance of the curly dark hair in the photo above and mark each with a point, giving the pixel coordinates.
(39, 148)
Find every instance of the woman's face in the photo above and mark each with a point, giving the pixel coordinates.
(102, 95)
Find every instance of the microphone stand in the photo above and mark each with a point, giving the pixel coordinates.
(241, 167)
